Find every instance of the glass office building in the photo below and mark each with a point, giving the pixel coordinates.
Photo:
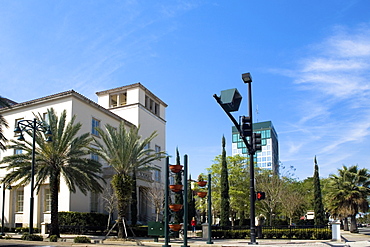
(268, 157)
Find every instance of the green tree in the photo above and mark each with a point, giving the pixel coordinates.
(65, 158)
(292, 201)
(3, 124)
(274, 188)
(350, 190)
(225, 198)
(125, 151)
(318, 204)
(238, 184)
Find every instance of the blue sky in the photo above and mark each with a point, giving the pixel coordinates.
(309, 61)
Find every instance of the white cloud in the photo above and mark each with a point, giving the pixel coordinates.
(335, 109)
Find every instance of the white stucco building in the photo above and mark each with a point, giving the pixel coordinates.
(134, 104)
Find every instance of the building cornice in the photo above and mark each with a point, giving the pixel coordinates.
(70, 93)
(135, 85)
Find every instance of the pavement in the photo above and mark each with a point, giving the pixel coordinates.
(348, 239)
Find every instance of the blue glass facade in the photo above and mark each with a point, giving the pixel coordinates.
(268, 157)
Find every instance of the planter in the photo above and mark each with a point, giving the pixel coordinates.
(202, 194)
(175, 207)
(175, 227)
(202, 183)
(175, 168)
(176, 187)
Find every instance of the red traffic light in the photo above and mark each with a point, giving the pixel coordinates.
(260, 195)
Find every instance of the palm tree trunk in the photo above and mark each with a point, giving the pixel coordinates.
(345, 224)
(54, 185)
(121, 185)
(353, 227)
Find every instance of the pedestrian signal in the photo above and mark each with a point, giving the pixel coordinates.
(260, 195)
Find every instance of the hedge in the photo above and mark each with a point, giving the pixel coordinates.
(288, 233)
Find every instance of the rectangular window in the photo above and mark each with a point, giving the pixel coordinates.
(47, 200)
(17, 151)
(16, 125)
(94, 156)
(157, 150)
(235, 138)
(19, 200)
(152, 106)
(113, 100)
(122, 98)
(95, 124)
(45, 117)
(157, 176)
(147, 146)
(94, 202)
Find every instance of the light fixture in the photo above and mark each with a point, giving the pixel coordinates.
(247, 78)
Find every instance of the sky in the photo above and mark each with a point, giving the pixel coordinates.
(309, 60)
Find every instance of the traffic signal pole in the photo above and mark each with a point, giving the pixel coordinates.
(230, 101)
(251, 171)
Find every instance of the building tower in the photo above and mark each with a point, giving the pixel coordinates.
(268, 157)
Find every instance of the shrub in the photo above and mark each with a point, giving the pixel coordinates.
(82, 219)
(82, 239)
(53, 238)
(32, 237)
(26, 229)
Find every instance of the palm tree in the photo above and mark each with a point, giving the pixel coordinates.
(350, 190)
(3, 123)
(125, 152)
(66, 157)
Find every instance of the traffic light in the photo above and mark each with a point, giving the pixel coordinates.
(257, 142)
(246, 126)
(260, 195)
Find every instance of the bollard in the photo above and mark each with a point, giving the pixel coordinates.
(335, 229)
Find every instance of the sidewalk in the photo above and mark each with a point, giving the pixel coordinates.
(348, 239)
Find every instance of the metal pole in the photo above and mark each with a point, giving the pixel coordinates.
(209, 201)
(251, 170)
(166, 195)
(185, 226)
(2, 213)
(32, 174)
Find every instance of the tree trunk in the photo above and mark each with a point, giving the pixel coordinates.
(54, 185)
(345, 224)
(120, 184)
(353, 227)
(133, 199)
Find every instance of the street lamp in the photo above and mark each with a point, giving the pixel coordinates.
(3, 209)
(230, 100)
(34, 125)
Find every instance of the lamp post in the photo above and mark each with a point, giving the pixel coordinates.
(3, 209)
(34, 125)
(230, 101)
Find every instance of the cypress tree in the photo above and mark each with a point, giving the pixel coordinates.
(225, 198)
(318, 205)
(191, 202)
(179, 196)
